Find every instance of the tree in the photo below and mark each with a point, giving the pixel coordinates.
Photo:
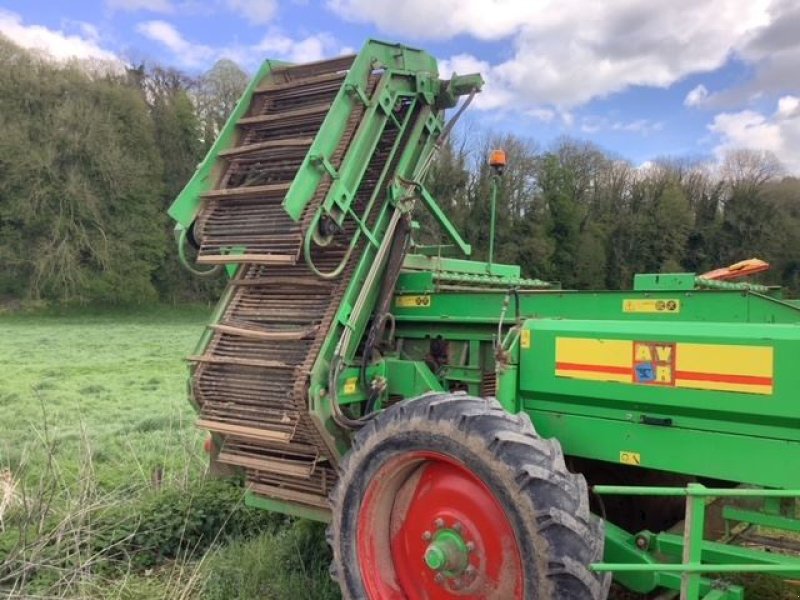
(80, 217)
(217, 93)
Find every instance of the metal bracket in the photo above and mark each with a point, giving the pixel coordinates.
(447, 226)
(355, 91)
(322, 162)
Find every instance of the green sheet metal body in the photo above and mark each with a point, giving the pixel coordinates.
(754, 435)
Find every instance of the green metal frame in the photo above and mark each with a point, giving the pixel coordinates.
(639, 571)
(501, 324)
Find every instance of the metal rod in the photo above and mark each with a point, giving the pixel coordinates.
(693, 546)
(495, 177)
(692, 567)
(622, 490)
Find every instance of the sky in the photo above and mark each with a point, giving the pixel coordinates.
(641, 79)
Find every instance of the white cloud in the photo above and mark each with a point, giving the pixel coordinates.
(309, 49)
(545, 115)
(158, 6)
(696, 96)
(788, 107)
(595, 124)
(57, 44)
(274, 44)
(257, 12)
(778, 133)
(189, 54)
(492, 96)
(568, 52)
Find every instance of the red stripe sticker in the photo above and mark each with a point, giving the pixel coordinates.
(565, 366)
(721, 378)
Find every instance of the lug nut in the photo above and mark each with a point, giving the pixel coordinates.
(439, 578)
(427, 536)
(439, 523)
(470, 546)
(457, 526)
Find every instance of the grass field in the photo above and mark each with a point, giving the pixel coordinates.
(95, 426)
(111, 498)
(109, 384)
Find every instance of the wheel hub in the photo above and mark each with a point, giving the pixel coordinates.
(447, 553)
(430, 529)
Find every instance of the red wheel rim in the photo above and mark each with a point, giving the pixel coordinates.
(409, 504)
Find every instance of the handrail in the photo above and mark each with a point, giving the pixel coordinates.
(692, 566)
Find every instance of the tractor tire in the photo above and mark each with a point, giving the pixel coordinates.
(449, 496)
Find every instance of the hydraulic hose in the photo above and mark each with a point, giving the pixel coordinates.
(182, 241)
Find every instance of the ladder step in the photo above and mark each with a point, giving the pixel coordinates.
(270, 465)
(244, 362)
(259, 259)
(288, 114)
(260, 334)
(255, 191)
(252, 433)
(278, 493)
(248, 148)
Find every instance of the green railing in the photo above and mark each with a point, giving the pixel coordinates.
(697, 555)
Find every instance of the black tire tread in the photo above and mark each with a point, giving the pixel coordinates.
(535, 467)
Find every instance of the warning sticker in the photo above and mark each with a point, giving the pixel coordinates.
(525, 339)
(350, 385)
(651, 305)
(413, 301)
(630, 458)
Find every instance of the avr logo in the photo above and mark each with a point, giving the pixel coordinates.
(654, 363)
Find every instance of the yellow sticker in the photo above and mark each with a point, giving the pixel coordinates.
(651, 305)
(413, 301)
(630, 458)
(350, 385)
(525, 339)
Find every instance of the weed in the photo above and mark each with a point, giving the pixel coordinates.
(292, 563)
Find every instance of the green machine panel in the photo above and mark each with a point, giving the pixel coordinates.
(656, 394)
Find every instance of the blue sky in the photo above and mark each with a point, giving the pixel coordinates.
(690, 78)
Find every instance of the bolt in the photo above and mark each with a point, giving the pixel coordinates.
(641, 542)
(426, 536)
(470, 546)
(439, 523)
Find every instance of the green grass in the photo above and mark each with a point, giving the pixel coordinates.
(111, 384)
(97, 428)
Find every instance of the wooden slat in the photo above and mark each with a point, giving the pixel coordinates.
(244, 362)
(260, 334)
(303, 282)
(288, 114)
(252, 433)
(275, 189)
(261, 259)
(280, 467)
(327, 65)
(289, 495)
(295, 83)
(247, 148)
